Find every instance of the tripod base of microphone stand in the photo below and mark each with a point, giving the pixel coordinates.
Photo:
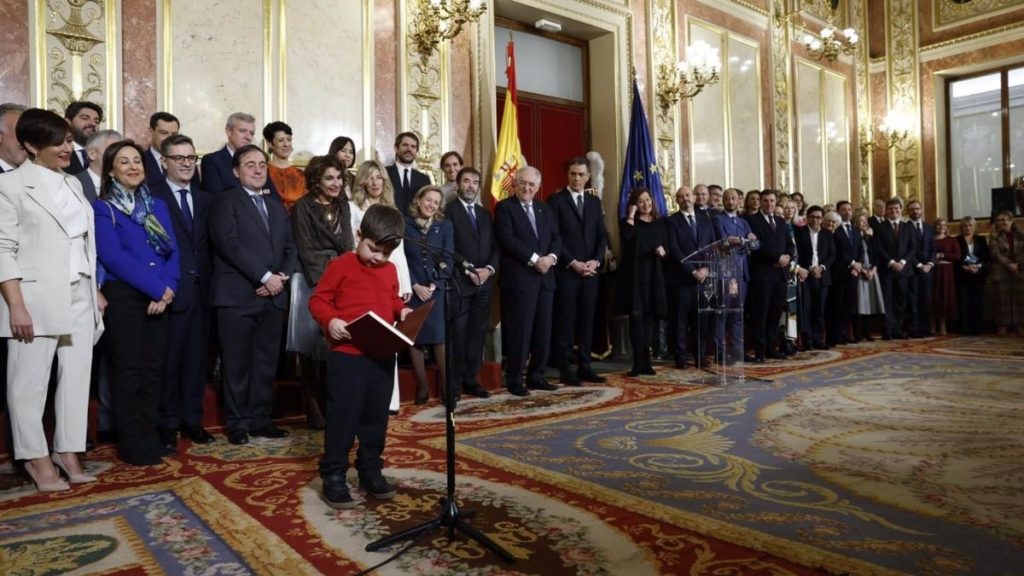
(452, 519)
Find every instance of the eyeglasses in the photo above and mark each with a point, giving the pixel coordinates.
(179, 159)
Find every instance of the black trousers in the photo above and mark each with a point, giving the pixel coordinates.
(526, 320)
(972, 309)
(894, 292)
(767, 299)
(250, 340)
(813, 313)
(575, 308)
(136, 348)
(469, 316)
(640, 326)
(841, 306)
(184, 387)
(683, 317)
(920, 301)
(358, 394)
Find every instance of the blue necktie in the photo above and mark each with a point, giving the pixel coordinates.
(261, 207)
(472, 217)
(186, 212)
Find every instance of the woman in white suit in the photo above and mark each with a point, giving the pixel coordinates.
(50, 301)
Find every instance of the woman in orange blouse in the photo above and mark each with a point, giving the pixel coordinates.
(289, 180)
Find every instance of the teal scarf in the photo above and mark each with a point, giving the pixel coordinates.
(141, 213)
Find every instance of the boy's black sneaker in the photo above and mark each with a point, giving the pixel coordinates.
(377, 486)
(336, 495)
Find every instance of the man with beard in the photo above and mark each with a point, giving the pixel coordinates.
(405, 179)
(84, 118)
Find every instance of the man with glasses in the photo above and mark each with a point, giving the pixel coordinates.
(184, 384)
(162, 125)
(816, 254)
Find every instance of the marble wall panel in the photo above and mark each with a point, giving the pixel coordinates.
(837, 144)
(745, 122)
(808, 88)
(708, 122)
(324, 74)
(461, 98)
(138, 65)
(14, 73)
(385, 78)
(216, 70)
(880, 167)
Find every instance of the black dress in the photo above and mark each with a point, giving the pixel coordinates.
(641, 281)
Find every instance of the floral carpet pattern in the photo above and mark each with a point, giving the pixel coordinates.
(867, 460)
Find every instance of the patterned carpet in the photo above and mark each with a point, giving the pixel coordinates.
(878, 459)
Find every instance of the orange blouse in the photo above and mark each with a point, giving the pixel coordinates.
(290, 183)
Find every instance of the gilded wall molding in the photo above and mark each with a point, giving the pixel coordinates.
(782, 136)
(862, 93)
(423, 87)
(745, 11)
(75, 55)
(663, 48)
(971, 42)
(950, 13)
(903, 79)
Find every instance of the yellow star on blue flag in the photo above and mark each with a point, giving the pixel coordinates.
(640, 169)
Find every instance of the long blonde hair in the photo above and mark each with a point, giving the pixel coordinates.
(359, 195)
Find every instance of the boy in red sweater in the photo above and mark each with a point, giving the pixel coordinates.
(358, 387)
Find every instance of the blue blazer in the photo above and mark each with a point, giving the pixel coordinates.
(194, 256)
(735, 226)
(125, 254)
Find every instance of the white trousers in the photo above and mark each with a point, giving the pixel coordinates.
(28, 376)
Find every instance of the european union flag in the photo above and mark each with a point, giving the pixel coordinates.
(641, 166)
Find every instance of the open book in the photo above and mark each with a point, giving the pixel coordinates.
(379, 339)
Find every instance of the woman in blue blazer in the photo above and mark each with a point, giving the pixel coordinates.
(136, 247)
(429, 237)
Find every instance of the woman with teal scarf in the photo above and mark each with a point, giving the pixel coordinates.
(136, 248)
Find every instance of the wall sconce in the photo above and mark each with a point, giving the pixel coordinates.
(441, 20)
(894, 129)
(686, 79)
(831, 43)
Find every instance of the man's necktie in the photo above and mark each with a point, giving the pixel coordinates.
(85, 159)
(186, 212)
(771, 222)
(689, 222)
(896, 227)
(579, 205)
(920, 232)
(472, 216)
(261, 207)
(405, 183)
(533, 219)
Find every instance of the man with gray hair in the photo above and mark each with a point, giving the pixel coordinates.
(95, 146)
(216, 167)
(12, 154)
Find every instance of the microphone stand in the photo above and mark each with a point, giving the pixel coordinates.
(450, 516)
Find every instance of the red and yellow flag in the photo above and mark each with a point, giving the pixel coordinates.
(508, 157)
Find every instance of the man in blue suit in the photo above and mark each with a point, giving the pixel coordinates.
(922, 279)
(528, 239)
(768, 275)
(689, 230)
(580, 220)
(184, 384)
(218, 168)
(732, 228)
(253, 257)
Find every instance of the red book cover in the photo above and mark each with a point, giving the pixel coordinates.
(379, 339)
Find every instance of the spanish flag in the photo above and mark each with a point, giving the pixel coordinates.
(508, 157)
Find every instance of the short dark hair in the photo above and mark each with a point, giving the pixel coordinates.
(449, 154)
(840, 203)
(382, 221)
(577, 161)
(467, 170)
(176, 140)
(75, 107)
(634, 197)
(273, 128)
(714, 187)
(315, 170)
(815, 208)
(236, 160)
(106, 183)
(162, 117)
(914, 201)
(892, 201)
(398, 139)
(768, 192)
(40, 128)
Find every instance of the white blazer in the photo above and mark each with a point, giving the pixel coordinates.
(35, 248)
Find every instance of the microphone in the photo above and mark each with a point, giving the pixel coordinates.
(461, 262)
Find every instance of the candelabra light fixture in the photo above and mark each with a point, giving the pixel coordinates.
(441, 20)
(894, 130)
(686, 79)
(831, 42)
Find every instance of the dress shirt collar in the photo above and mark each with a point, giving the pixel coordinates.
(688, 215)
(253, 194)
(401, 167)
(175, 187)
(468, 207)
(94, 177)
(7, 167)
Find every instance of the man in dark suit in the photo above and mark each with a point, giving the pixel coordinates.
(218, 167)
(471, 309)
(12, 154)
(921, 280)
(768, 274)
(184, 384)
(95, 146)
(897, 252)
(253, 257)
(689, 230)
(84, 118)
(732, 228)
(162, 125)
(528, 239)
(406, 180)
(842, 300)
(815, 257)
(580, 220)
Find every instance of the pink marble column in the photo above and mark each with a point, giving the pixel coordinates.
(385, 70)
(14, 74)
(139, 36)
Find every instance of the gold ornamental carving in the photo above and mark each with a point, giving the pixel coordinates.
(862, 92)
(74, 57)
(425, 97)
(664, 48)
(782, 136)
(946, 13)
(903, 79)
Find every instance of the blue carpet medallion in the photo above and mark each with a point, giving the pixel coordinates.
(892, 463)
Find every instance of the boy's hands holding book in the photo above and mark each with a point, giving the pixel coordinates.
(336, 328)
(405, 312)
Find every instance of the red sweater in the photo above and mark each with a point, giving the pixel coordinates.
(348, 289)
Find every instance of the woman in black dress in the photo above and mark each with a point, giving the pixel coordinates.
(641, 290)
(971, 271)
